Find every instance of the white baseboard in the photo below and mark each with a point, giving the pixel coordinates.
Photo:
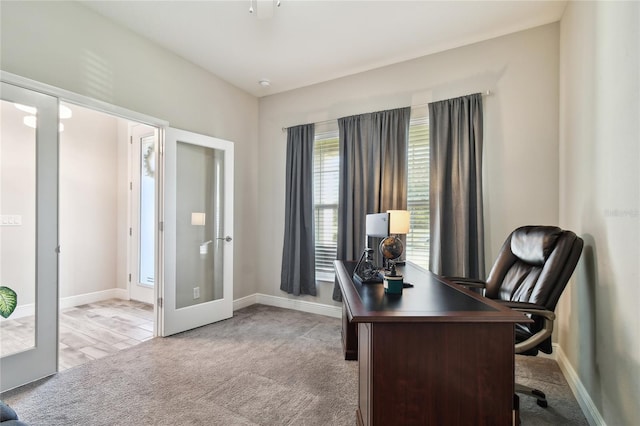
(98, 296)
(71, 301)
(120, 293)
(22, 311)
(243, 302)
(283, 302)
(579, 391)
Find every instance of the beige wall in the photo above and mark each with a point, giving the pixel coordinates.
(600, 200)
(65, 45)
(521, 130)
(88, 203)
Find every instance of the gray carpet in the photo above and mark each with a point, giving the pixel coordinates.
(264, 366)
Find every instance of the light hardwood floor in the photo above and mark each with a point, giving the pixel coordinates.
(87, 332)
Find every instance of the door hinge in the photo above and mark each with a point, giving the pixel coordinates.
(130, 186)
(160, 302)
(129, 277)
(131, 140)
(161, 226)
(130, 231)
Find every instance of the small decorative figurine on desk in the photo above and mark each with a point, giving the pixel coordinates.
(365, 270)
(392, 280)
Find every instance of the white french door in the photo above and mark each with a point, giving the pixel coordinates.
(197, 217)
(29, 234)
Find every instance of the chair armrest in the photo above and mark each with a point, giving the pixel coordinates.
(533, 310)
(529, 308)
(467, 282)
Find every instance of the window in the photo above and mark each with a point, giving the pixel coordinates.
(325, 187)
(325, 199)
(417, 246)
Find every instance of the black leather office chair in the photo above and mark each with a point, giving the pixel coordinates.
(532, 269)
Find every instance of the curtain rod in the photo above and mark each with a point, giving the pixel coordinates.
(485, 93)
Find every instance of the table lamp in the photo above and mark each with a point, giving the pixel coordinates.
(392, 248)
(399, 224)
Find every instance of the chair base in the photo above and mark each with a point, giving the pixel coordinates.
(538, 394)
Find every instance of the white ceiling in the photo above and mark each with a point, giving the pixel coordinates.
(308, 42)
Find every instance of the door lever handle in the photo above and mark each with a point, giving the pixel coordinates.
(227, 238)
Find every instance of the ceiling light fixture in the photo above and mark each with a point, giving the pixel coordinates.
(26, 108)
(32, 121)
(64, 111)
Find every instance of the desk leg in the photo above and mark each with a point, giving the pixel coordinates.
(349, 336)
(365, 372)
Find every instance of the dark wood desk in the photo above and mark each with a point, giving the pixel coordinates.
(435, 355)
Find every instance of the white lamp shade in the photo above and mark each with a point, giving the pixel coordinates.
(399, 221)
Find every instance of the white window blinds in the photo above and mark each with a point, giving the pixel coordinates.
(417, 246)
(325, 187)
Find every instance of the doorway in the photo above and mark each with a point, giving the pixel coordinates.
(96, 232)
(94, 235)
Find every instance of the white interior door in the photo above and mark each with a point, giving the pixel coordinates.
(29, 234)
(197, 282)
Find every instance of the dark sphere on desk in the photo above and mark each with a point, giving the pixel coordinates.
(391, 248)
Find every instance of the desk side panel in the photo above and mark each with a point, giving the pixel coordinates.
(426, 373)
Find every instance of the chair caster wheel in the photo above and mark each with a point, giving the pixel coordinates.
(541, 398)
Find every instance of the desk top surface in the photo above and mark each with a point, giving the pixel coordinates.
(431, 299)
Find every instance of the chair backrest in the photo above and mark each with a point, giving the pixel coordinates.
(534, 265)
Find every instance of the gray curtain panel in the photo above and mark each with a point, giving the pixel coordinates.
(298, 274)
(373, 174)
(457, 224)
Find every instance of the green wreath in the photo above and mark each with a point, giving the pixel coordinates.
(149, 169)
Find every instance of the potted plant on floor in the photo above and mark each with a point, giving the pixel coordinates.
(8, 301)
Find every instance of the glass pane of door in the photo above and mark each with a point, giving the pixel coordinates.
(142, 210)
(28, 235)
(18, 225)
(146, 245)
(200, 197)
